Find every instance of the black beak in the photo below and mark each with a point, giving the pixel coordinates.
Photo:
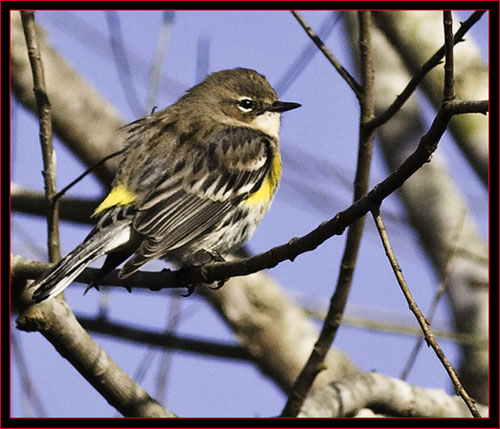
(283, 106)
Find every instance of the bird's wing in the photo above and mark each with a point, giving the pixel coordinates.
(199, 191)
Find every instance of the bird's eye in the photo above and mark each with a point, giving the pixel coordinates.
(246, 105)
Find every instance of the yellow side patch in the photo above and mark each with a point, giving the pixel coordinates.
(119, 196)
(265, 193)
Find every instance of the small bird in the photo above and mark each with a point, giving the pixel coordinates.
(194, 181)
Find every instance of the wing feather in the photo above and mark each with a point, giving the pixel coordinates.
(187, 204)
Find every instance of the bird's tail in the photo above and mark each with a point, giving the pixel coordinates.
(62, 274)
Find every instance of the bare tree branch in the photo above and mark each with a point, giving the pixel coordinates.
(385, 395)
(348, 263)
(435, 60)
(165, 340)
(449, 76)
(70, 208)
(432, 198)
(470, 106)
(74, 104)
(218, 271)
(44, 115)
(424, 324)
(355, 86)
(57, 323)
(255, 343)
(413, 36)
(440, 290)
(27, 268)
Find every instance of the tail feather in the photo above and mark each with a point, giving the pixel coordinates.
(62, 274)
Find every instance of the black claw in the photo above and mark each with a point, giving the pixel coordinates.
(220, 283)
(190, 291)
(91, 286)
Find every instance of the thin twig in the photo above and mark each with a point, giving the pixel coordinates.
(449, 80)
(161, 49)
(424, 324)
(424, 70)
(44, 116)
(452, 251)
(167, 355)
(86, 172)
(355, 86)
(400, 329)
(339, 299)
(122, 64)
(299, 64)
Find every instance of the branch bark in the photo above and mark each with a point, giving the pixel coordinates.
(45, 120)
(424, 324)
(432, 198)
(243, 321)
(74, 103)
(413, 36)
(57, 323)
(338, 301)
(276, 333)
(382, 394)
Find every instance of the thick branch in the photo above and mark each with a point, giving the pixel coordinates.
(382, 394)
(56, 322)
(167, 341)
(275, 331)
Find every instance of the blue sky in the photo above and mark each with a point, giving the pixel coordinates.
(324, 129)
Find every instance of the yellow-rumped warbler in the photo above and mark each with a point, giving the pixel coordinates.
(195, 180)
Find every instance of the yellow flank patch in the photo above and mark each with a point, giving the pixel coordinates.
(265, 193)
(119, 196)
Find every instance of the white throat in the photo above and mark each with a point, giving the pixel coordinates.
(268, 123)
